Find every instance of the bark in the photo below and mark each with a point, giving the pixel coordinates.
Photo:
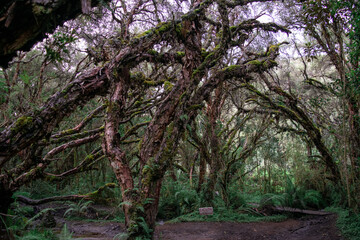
(24, 23)
(34, 126)
(202, 170)
(213, 114)
(89, 196)
(30, 201)
(163, 133)
(111, 143)
(5, 201)
(39, 124)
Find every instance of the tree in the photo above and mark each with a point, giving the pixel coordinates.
(332, 28)
(190, 52)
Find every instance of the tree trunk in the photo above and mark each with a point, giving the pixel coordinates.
(5, 201)
(202, 170)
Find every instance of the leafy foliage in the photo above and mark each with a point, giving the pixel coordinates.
(348, 222)
(295, 197)
(65, 234)
(37, 235)
(78, 209)
(227, 215)
(177, 199)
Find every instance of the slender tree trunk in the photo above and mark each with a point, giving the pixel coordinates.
(5, 201)
(202, 170)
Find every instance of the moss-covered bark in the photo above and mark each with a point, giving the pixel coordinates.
(24, 23)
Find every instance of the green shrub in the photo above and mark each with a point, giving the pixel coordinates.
(236, 198)
(176, 199)
(37, 235)
(78, 209)
(227, 215)
(348, 223)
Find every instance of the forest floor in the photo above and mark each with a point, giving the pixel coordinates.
(306, 227)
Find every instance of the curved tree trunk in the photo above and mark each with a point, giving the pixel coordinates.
(24, 23)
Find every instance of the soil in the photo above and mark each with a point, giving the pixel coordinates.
(306, 227)
(309, 228)
(314, 228)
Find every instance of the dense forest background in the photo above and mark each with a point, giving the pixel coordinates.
(162, 107)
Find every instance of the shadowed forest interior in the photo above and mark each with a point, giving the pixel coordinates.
(121, 119)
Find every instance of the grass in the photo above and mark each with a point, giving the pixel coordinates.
(347, 222)
(227, 215)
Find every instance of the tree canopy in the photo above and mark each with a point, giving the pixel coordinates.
(200, 87)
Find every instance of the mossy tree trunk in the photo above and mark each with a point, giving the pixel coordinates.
(5, 201)
(23, 23)
(159, 144)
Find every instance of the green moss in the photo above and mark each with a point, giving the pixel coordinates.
(273, 48)
(168, 86)
(151, 173)
(22, 123)
(233, 28)
(170, 128)
(180, 54)
(196, 72)
(162, 27)
(178, 28)
(270, 63)
(50, 178)
(231, 68)
(256, 62)
(143, 34)
(204, 53)
(97, 195)
(150, 83)
(67, 132)
(40, 10)
(195, 107)
(182, 96)
(137, 103)
(152, 52)
(115, 73)
(209, 57)
(90, 157)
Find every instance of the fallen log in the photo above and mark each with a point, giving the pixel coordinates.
(30, 201)
(293, 210)
(89, 196)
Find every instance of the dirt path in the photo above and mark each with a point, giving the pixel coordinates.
(309, 228)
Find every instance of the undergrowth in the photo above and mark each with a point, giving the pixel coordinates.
(227, 215)
(348, 222)
(37, 234)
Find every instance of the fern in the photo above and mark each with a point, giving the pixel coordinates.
(121, 236)
(78, 209)
(65, 234)
(39, 215)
